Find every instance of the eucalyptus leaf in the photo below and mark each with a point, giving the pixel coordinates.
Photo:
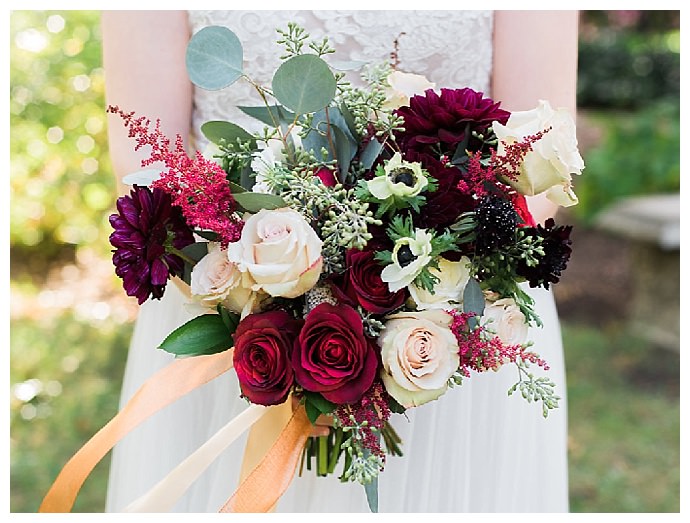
(247, 178)
(304, 84)
(371, 152)
(236, 188)
(214, 58)
(217, 130)
(254, 202)
(349, 119)
(205, 334)
(371, 489)
(345, 150)
(269, 114)
(473, 298)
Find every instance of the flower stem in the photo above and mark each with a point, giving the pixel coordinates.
(335, 451)
(180, 254)
(322, 456)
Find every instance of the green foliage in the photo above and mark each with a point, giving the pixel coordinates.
(625, 70)
(639, 154)
(75, 396)
(304, 84)
(214, 58)
(61, 185)
(205, 334)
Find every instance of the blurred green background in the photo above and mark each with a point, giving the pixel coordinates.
(70, 320)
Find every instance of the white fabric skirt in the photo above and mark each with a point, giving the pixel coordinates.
(474, 450)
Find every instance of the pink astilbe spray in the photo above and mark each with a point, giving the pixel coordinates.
(481, 351)
(197, 185)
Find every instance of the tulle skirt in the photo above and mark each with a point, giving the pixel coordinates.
(476, 449)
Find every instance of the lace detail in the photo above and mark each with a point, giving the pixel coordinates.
(451, 48)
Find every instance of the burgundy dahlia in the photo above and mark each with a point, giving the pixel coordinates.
(556, 243)
(145, 223)
(438, 123)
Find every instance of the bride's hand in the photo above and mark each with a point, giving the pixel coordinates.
(322, 425)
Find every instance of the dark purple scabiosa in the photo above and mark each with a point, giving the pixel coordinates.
(438, 123)
(556, 243)
(146, 226)
(496, 222)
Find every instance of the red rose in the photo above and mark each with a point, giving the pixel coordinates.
(361, 284)
(263, 343)
(332, 355)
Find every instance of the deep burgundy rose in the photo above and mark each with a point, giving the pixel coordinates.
(327, 176)
(434, 120)
(332, 355)
(263, 343)
(361, 284)
(526, 218)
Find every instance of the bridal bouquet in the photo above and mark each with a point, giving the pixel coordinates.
(362, 254)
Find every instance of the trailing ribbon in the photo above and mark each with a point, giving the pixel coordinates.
(264, 485)
(163, 388)
(169, 490)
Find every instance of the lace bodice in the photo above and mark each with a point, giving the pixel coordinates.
(451, 48)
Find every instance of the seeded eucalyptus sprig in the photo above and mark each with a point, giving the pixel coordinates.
(535, 389)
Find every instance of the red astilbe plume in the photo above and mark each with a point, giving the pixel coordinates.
(481, 180)
(197, 185)
(480, 350)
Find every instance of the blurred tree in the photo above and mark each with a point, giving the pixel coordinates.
(61, 186)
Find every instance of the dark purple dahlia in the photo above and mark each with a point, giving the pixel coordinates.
(145, 223)
(438, 123)
(556, 243)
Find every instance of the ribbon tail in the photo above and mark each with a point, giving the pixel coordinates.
(269, 480)
(163, 388)
(167, 492)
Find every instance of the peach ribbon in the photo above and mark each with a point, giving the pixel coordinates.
(269, 479)
(163, 388)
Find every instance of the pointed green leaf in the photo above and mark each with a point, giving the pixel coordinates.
(370, 153)
(254, 202)
(205, 334)
(217, 130)
(322, 404)
(270, 115)
(230, 319)
(345, 150)
(473, 300)
(214, 58)
(304, 84)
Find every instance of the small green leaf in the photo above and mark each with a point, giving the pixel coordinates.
(269, 114)
(322, 404)
(205, 334)
(214, 58)
(230, 319)
(304, 84)
(196, 251)
(254, 202)
(473, 298)
(312, 412)
(217, 130)
(344, 152)
(370, 153)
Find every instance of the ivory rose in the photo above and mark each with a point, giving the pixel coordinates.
(215, 279)
(401, 86)
(419, 355)
(448, 291)
(505, 318)
(279, 251)
(554, 157)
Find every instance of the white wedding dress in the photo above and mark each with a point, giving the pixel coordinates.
(475, 449)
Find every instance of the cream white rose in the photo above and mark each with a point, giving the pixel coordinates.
(410, 256)
(419, 354)
(448, 291)
(402, 86)
(554, 158)
(280, 251)
(215, 279)
(401, 178)
(505, 318)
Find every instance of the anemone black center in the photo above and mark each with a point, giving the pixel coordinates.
(403, 175)
(405, 256)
